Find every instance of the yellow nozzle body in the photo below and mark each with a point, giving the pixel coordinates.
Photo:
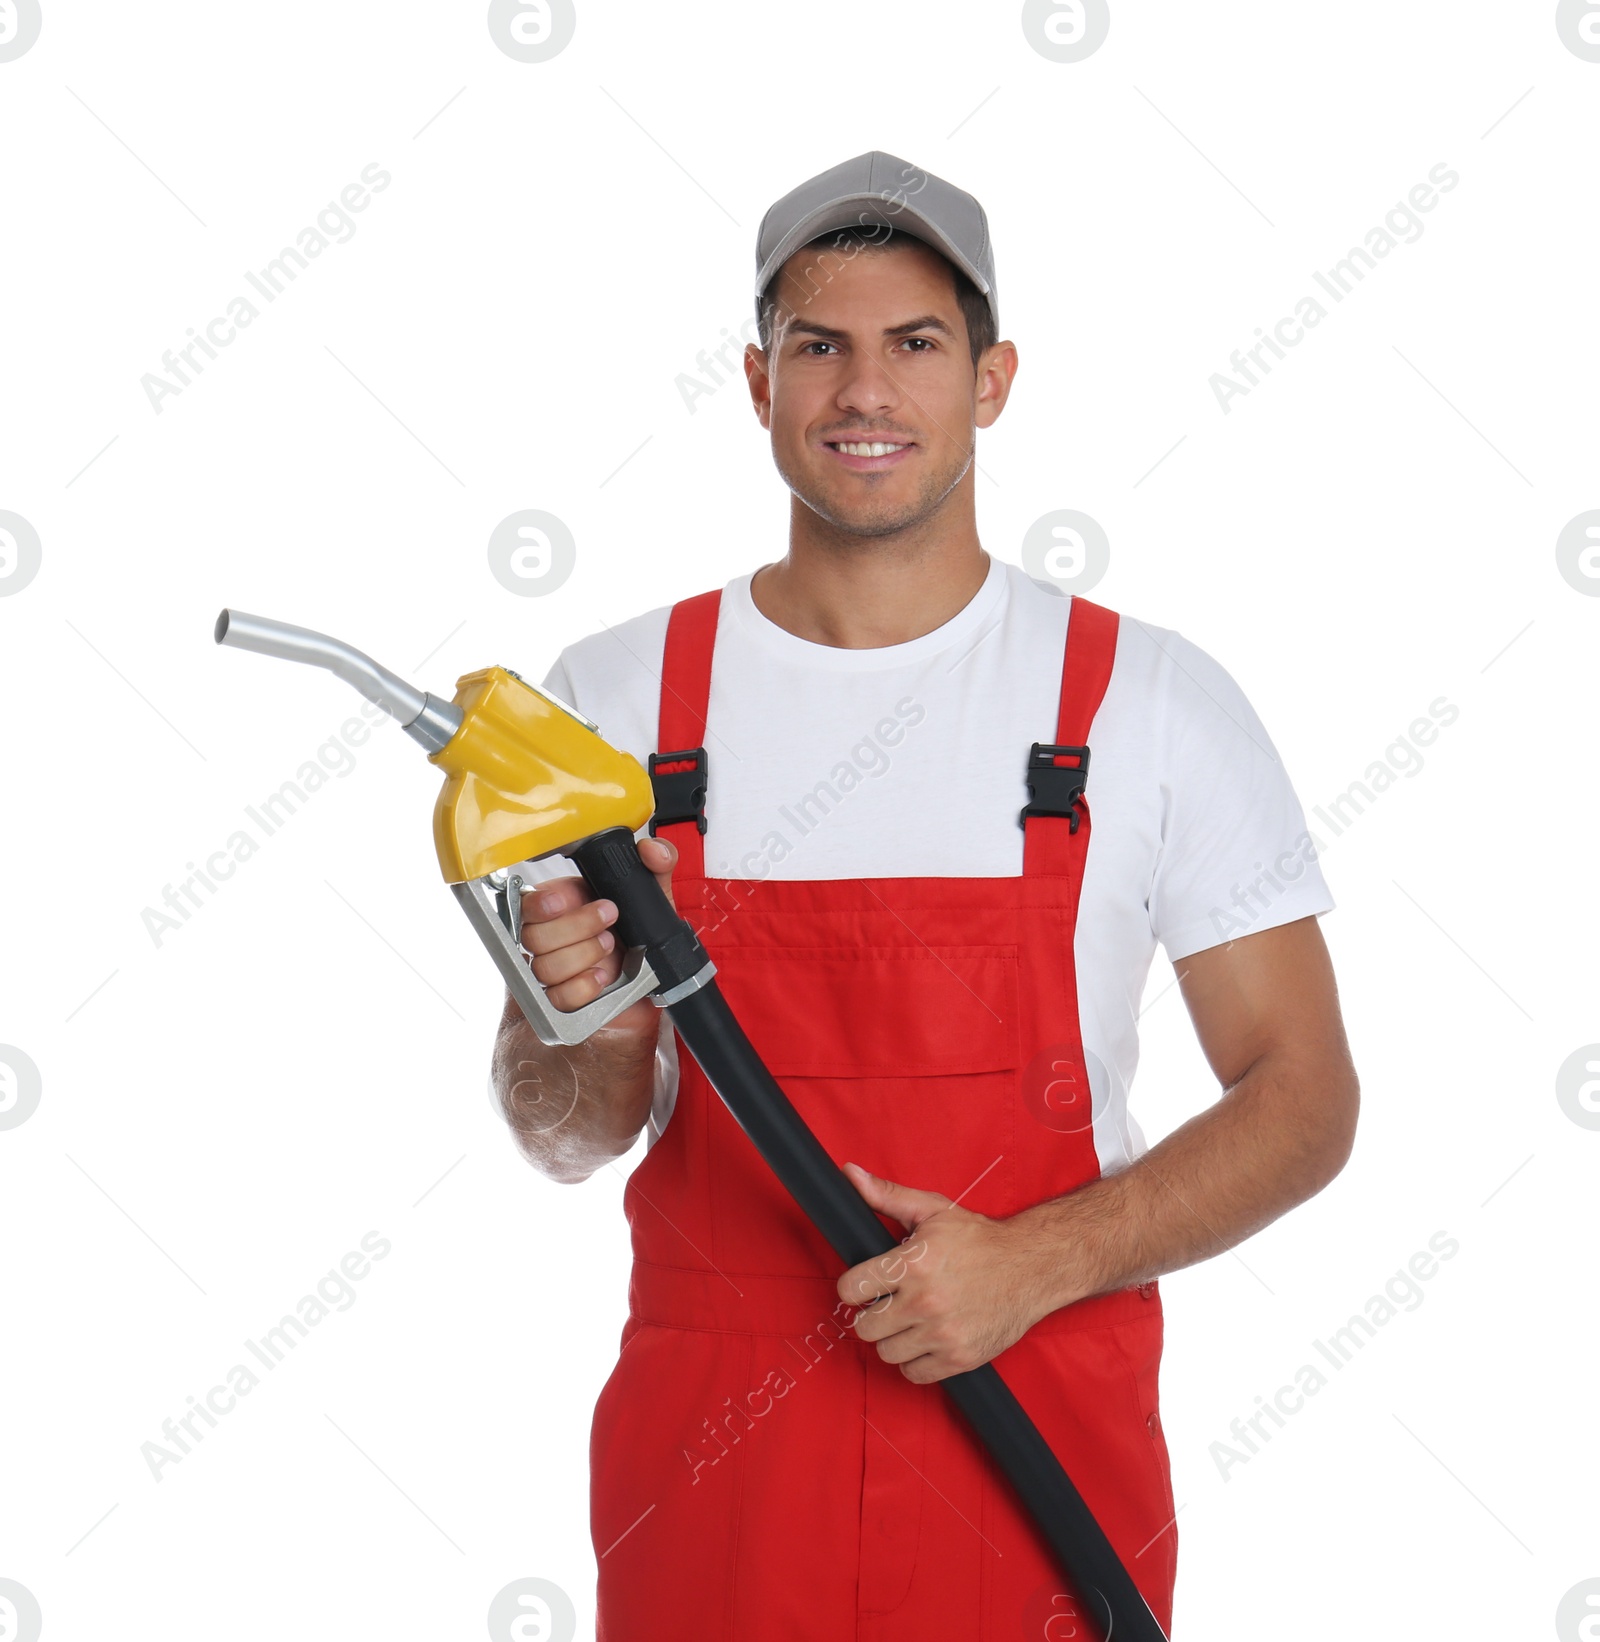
(524, 778)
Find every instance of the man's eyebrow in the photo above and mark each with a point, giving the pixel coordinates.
(927, 322)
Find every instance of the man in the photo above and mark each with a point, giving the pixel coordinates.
(893, 871)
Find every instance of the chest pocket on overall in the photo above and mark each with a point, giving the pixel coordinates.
(915, 1045)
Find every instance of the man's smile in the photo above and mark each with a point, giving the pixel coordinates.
(869, 455)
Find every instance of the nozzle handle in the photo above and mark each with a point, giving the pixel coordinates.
(495, 913)
(611, 866)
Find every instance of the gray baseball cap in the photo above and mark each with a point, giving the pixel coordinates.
(878, 191)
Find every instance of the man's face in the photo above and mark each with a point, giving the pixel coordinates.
(871, 349)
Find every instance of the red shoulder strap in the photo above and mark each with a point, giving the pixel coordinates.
(685, 692)
(1086, 663)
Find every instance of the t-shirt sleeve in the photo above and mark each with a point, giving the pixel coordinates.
(1236, 855)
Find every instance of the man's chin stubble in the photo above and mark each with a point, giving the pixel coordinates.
(870, 524)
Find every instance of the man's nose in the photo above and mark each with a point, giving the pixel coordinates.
(870, 388)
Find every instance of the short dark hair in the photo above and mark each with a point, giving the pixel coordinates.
(973, 303)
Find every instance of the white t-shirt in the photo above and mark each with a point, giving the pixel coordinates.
(908, 761)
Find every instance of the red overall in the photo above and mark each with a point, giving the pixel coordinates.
(758, 1472)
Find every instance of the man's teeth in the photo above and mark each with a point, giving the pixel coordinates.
(868, 450)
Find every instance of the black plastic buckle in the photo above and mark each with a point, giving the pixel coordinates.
(680, 793)
(1055, 789)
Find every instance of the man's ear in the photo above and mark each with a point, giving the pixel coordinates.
(996, 370)
(757, 375)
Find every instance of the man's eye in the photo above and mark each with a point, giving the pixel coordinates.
(809, 345)
(926, 341)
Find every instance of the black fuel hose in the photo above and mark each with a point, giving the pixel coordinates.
(611, 867)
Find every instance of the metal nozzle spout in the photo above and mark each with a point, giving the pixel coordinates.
(424, 717)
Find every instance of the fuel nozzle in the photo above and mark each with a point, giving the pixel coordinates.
(525, 776)
(422, 716)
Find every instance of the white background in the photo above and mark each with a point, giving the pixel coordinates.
(226, 1114)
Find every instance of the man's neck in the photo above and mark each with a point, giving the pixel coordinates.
(863, 595)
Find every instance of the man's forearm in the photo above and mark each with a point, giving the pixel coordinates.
(1278, 1136)
(572, 1108)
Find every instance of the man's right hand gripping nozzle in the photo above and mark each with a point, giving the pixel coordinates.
(574, 950)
